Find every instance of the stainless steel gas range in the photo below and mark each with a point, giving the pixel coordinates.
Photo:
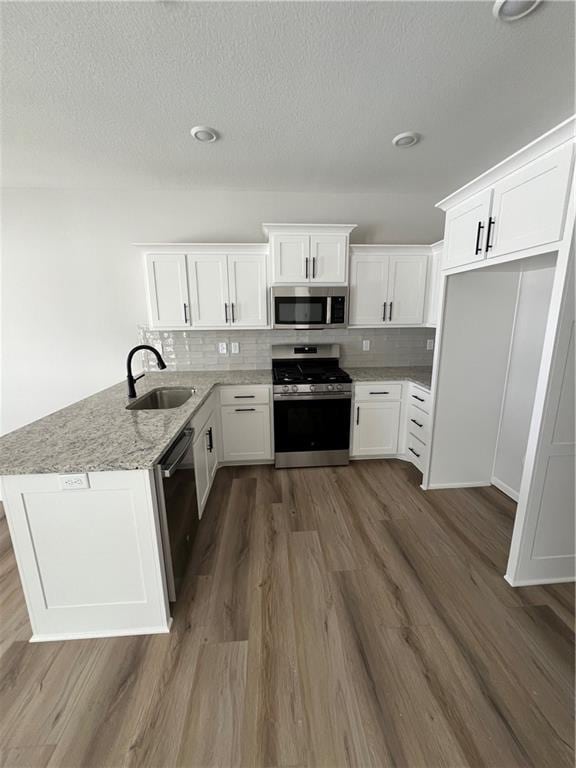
(312, 402)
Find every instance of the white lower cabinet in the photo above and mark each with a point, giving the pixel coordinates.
(376, 419)
(205, 450)
(90, 557)
(246, 433)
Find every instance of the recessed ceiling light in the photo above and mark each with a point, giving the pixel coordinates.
(204, 134)
(510, 10)
(405, 140)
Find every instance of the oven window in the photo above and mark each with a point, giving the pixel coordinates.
(300, 310)
(311, 425)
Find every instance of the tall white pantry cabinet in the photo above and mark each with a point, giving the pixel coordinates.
(514, 220)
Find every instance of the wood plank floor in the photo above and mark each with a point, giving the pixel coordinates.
(330, 617)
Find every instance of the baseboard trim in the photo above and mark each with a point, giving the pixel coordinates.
(440, 486)
(52, 638)
(536, 582)
(514, 495)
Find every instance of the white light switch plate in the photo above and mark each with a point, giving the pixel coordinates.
(73, 482)
(429, 344)
(366, 345)
(235, 347)
(223, 348)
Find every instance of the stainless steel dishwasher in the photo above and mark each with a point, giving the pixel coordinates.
(178, 507)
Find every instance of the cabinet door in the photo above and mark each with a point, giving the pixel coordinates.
(291, 258)
(530, 204)
(200, 451)
(246, 433)
(328, 258)
(209, 290)
(406, 289)
(376, 429)
(211, 434)
(465, 230)
(247, 289)
(168, 302)
(368, 289)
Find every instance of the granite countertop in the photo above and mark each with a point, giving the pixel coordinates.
(98, 433)
(421, 375)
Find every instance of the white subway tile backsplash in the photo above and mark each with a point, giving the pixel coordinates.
(198, 350)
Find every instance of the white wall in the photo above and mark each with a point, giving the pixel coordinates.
(72, 286)
(523, 367)
(471, 371)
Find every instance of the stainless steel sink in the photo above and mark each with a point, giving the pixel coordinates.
(161, 399)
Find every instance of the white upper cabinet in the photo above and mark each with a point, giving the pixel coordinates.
(208, 287)
(209, 290)
(368, 288)
(168, 301)
(387, 285)
(530, 204)
(328, 258)
(247, 290)
(466, 229)
(309, 253)
(517, 206)
(290, 258)
(406, 289)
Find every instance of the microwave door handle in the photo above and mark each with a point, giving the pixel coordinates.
(328, 310)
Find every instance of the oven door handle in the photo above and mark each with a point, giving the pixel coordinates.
(335, 396)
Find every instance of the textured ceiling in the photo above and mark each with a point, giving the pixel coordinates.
(307, 96)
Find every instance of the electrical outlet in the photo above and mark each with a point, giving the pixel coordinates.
(223, 348)
(235, 347)
(366, 345)
(429, 344)
(73, 482)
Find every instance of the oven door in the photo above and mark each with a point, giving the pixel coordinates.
(311, 431)
(300, 311)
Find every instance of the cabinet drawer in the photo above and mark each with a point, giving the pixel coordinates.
(418, 423)
(419, 397)
(257, 394)
(378, 390)
(416, 451)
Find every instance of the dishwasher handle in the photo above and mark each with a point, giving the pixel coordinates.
(177, 453)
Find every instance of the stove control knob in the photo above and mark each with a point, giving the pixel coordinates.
(285, 388)
(294, 388)
(330, 387)
(312, 387)
(340, 387)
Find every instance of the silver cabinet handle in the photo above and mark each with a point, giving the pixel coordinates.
(226, 311)
(185, 312)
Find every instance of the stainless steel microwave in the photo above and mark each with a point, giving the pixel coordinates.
(304, 307)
